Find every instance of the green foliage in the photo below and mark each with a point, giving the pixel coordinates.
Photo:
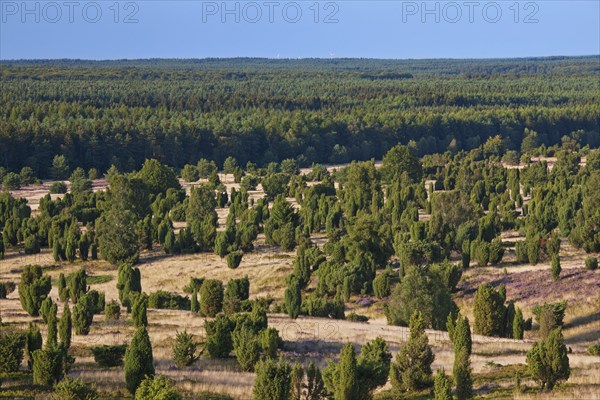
(246, 346)
(449, 273)
(297, 381)
(555, 267)
(423, 291)
(237, 291)
(12, 345)
(112, 310)
(270, 342)
(548, 361)
(273, 380)
(74, 389)
(60, 167)
(381, 285)
(234, 259)
(190, 173)
(77, 284)
(461, 336)
(442, 386)
(6, 288)
(157, 388)
(65, 327)
(275, 185)
(31, 245)
(83, 314)
(550, 316)
(33, 342)
(63, 290)
(412, 369)
(50, 365)
(400, 160)
(139, 361)
(315, 387)
(12, 181)
(184, 350)
(591, 263)
(488, 309)
(139, 311)
(373, 366)
(463, 375)
(194, 305)
(518, 325)
(33, 288)
(594, 349)
(129, 282)
(157, 177)
(293, 298)
(280, 227)
(109, 356)
(211, 297)
(117, 236)
(218, 336)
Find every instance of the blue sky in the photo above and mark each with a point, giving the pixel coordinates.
(107, 29)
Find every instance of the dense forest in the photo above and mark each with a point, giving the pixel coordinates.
(97, 114)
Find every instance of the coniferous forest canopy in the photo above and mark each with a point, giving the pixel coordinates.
(99, 113)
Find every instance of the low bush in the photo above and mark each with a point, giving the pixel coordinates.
(6, 288)
(356, 317)
(109, 356)
(112, 310)
(58, 188)
(168, 301)
(74, 389)
(591, 263)
(12, 346)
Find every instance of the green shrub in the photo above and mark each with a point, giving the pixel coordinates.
(58, 188)
(12, 181)
(83, 314)
(12, 346)
(246, 346)
(33, 342)
(234, 259)
(168, 301)
(6, 288)
(356, 317)
(31, 245)
(594, 349)
(591, 263)
(555, 267)
(109, 356)
(270, 342)
(381, 285)
(66, 326)
(194, 284)
(50, 365)
(218, 336)
(33, 289)
(77, 284)
(156, 388)
(548, 360)
(211, 297)
(98, 301)
(273, 381)
(139, 361)
(184, 349)
(74, 389)
(112, 310)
